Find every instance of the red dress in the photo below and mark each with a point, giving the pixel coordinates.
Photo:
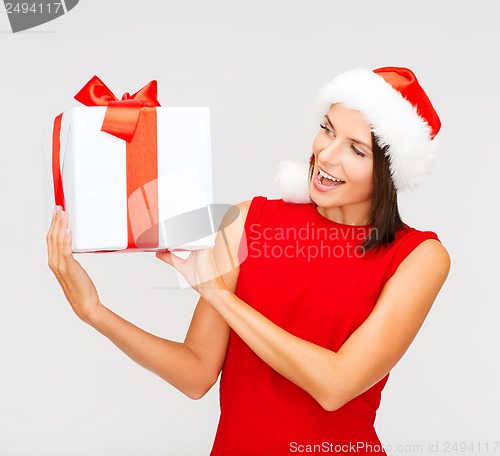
(301, 271)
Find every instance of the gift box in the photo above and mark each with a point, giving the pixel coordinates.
(131, 175)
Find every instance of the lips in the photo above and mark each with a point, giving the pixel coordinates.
(324, 184)
(323, 176)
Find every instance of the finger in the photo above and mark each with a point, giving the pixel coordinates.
(55, 236)
(68, 262)
(59, 247)
(67, 253)
(173, 260)
(49, 237)
(63, 225)
(64, 252)
(61, 236)
(52, 237)
(165, 256)
(54, 260)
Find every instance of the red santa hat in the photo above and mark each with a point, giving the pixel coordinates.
(400, 113)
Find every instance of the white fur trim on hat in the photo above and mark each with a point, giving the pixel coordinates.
(292, 179)
(394, 121)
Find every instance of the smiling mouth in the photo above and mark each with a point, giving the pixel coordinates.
(326, 180)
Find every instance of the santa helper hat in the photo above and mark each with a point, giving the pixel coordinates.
(400, 113)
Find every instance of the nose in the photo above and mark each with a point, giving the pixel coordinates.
(330, 152)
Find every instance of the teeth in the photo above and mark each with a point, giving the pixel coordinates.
(322, 174)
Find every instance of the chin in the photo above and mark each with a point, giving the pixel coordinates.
(333, 199)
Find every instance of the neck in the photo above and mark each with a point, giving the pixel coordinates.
(355, 215)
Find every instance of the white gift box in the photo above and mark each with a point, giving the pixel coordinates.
(94, 178)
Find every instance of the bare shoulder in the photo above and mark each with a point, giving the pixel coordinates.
(434, 254)
(427, 265)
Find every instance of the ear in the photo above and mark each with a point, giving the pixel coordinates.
(292, 181)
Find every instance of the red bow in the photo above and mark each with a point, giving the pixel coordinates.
(122, 115)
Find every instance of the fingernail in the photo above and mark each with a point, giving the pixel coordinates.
(54, 212)
(62, 214)
(67, 232)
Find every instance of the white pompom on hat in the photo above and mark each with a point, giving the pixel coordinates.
(400, 113)
(292, 180)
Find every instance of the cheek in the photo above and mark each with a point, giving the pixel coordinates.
(362, 174)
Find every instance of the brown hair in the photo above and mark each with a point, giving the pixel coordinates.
(384, 214)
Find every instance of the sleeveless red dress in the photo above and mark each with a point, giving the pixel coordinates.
(301, 271)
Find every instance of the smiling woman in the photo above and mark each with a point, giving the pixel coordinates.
(336, 154)
(304, 330)
(371, 170)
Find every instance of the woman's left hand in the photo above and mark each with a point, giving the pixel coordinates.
(199, 269)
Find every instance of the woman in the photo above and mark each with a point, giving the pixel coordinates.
(330, 289)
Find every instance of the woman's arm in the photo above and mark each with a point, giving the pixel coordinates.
(370, 352)
(192, 366)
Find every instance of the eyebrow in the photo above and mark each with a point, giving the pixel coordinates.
(350, 139)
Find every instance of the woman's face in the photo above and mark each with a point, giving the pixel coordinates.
(342, 149)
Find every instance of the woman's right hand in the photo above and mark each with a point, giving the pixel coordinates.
(77, 286)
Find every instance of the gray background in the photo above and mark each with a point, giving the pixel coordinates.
(65, 389)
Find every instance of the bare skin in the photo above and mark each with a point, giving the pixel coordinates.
(203, 351)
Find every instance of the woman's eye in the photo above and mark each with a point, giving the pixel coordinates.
(327, 130)
(357, 151)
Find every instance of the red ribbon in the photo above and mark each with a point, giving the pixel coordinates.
(56, 163)
(122, 116)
